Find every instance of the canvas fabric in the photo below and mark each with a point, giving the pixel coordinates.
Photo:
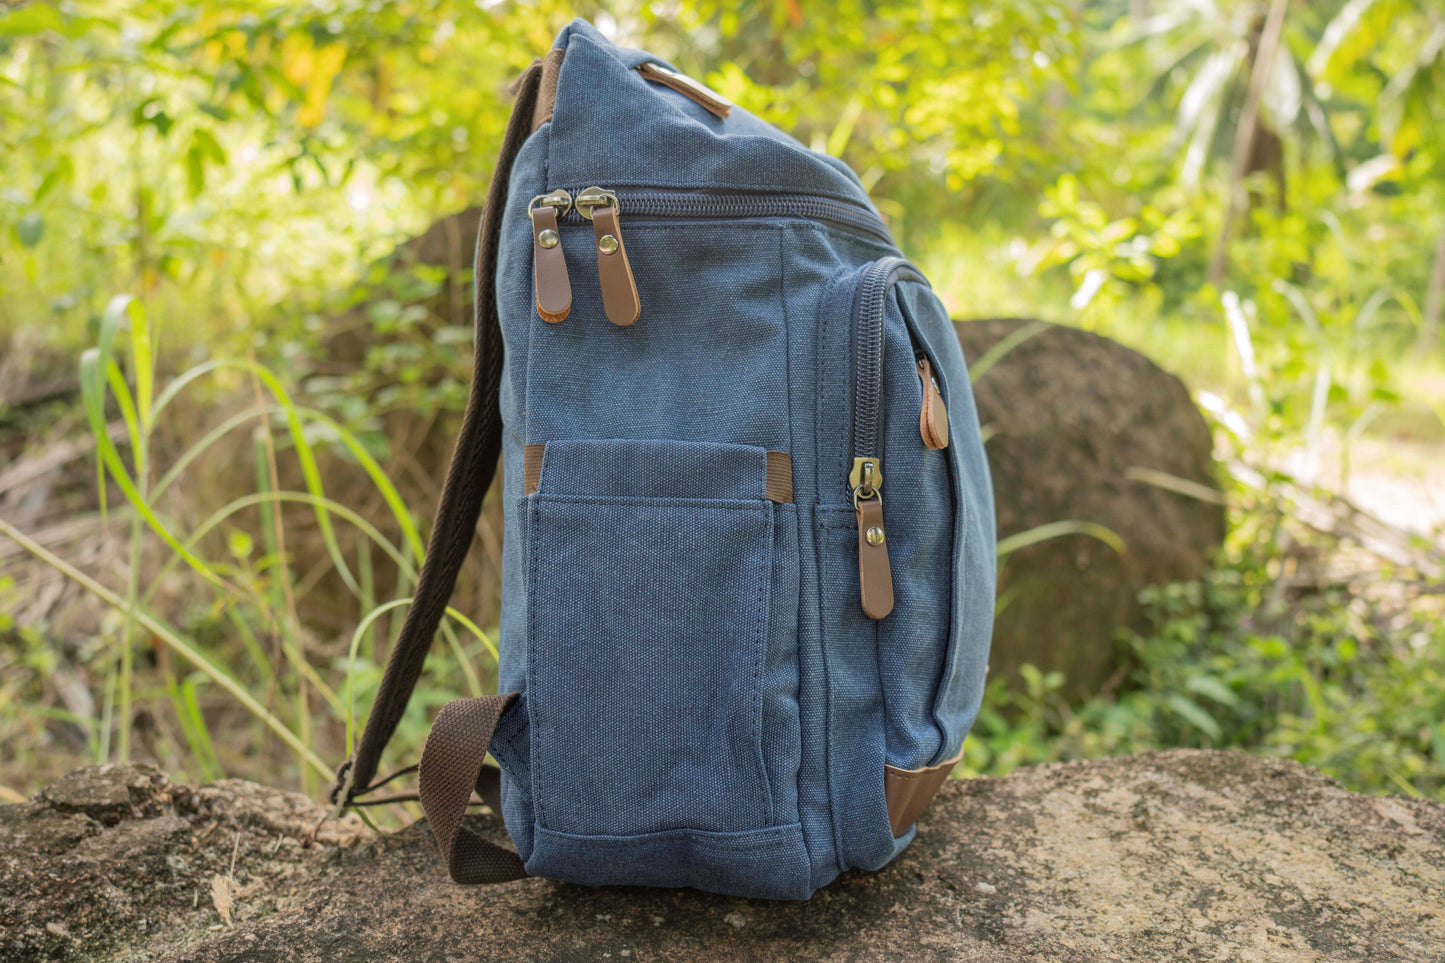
(694, 695)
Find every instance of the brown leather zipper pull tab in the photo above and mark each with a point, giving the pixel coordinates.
(549, 265)
(875, 577)
(619, 289)
(933, 419)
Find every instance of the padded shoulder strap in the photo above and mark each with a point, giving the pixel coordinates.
(474, 462)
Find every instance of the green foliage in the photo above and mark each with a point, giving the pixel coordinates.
(238, 152)
(1268, 654)
(251, 593)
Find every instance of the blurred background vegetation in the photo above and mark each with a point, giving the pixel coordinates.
(213, 389)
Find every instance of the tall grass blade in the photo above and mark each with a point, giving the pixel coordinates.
(92, 390)
(1173, 483)
(291, 624)
(202, 445)
(1043, 533)
(996, 354)
(175, 642)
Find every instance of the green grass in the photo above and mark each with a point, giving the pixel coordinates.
(222, 574)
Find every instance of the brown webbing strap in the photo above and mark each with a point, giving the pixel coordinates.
(452, 767)
(474, 462)
(489, 787)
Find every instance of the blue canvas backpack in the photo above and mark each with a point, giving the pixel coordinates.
(748, 565)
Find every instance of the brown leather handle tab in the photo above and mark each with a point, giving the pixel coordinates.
(549, 267)
(705, 97)
(619, 290)
(453, 765)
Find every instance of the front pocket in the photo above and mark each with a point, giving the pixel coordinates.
(650, 574)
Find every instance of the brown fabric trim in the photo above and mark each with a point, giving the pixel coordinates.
(547, 95)
(779, 486)
(909, 791)
(532, 468)
(706, 98)
(452, 768)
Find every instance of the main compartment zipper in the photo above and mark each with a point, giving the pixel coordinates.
(662, 204)
(604, 209)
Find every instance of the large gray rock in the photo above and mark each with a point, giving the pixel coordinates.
(1081, 428)
(1170, 856)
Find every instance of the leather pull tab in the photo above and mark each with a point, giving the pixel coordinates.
(933, 419)
(875, 576)
(549, 267)
(619, 290)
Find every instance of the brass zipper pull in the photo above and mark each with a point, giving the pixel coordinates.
(933, 418)
(875, 575)
(614, 272)
(549, 265)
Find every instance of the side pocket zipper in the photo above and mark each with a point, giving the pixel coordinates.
(870, 302)
(932, 415)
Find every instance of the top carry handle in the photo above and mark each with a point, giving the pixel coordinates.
(458, 736)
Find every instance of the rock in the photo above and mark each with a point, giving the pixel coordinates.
(1082, 428)
(107, 794)
(1167, 856)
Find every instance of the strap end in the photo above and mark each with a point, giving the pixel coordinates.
(340, 792)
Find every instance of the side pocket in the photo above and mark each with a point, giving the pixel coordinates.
(647, 627)
(650, 582)
(903, 686)
(928, 511)
(971, 555)
(647, 633)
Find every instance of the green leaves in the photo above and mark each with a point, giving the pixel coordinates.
(1190, 711)
(30, 229)
(204, 149)
(31, 19)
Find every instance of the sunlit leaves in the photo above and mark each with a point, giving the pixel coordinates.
(312, 70)
(30, 229)
(204, 149)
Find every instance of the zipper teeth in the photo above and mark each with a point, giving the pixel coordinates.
(868, 307)
(661, 204)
